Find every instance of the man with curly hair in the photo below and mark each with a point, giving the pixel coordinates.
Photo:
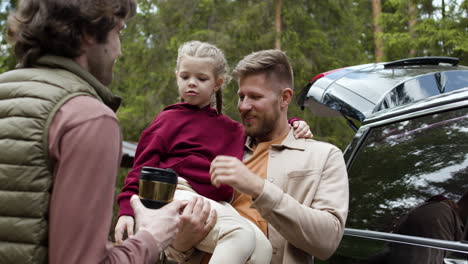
(60, 141)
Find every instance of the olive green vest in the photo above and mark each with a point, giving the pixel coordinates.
(29, 99)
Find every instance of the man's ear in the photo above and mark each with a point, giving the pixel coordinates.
(286, 97)
(87, 43)
(88, 39)
(219, 83)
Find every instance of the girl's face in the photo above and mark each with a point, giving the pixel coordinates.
(197, 81)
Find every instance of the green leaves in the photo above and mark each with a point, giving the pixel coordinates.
(7, 60)
(439, 30)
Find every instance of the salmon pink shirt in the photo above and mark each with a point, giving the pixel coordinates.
(85, 144)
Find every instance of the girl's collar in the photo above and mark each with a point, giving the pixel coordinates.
(207, 108)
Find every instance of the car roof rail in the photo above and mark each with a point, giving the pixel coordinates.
(423, 61)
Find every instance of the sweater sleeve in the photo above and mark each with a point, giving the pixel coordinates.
(293, 119)
(85, 142)
(148, 153)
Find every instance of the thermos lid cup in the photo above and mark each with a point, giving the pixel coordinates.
(158, 174)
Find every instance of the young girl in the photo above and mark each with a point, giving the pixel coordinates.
(186, 137)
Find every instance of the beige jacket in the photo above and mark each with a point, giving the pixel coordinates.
(305, 199)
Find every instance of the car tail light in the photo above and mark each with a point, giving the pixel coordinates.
(318, 76)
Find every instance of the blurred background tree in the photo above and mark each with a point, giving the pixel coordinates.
(422, 28)
(7, 60)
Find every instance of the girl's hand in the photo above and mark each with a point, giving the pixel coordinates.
(302, 130)
(124, 223)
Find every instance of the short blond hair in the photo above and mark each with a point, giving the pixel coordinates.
(274, 63)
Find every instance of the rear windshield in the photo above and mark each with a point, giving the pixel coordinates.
(424, 86)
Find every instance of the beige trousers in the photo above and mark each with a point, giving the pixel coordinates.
(233, 239)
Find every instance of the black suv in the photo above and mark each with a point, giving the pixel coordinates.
(408, 162)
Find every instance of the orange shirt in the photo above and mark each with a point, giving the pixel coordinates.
(258, 164)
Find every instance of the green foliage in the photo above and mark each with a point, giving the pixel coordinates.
(439, 30)
(7, 60)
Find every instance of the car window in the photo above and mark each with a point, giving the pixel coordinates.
(454, 80)
(401, 165)
(424, 86)
(417, 166)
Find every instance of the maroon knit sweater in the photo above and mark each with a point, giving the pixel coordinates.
(185, 138)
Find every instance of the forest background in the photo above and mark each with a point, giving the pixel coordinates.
(318, 36)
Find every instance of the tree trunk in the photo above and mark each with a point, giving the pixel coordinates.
(278, 24)
(443, 9)
(378, 45)
(412, 14)
(212, 20)
(443, 19)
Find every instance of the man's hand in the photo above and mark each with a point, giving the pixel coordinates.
(162, 223)
(124, 224)
(302, 130)
(231, 171)
(197, 220)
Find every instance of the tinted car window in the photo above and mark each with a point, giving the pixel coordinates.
(424, 86)
(398, 167)
(454, 80)
(428, 157)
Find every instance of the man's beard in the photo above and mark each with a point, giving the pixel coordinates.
(264, 126)
(101, 68)
(103, 72)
